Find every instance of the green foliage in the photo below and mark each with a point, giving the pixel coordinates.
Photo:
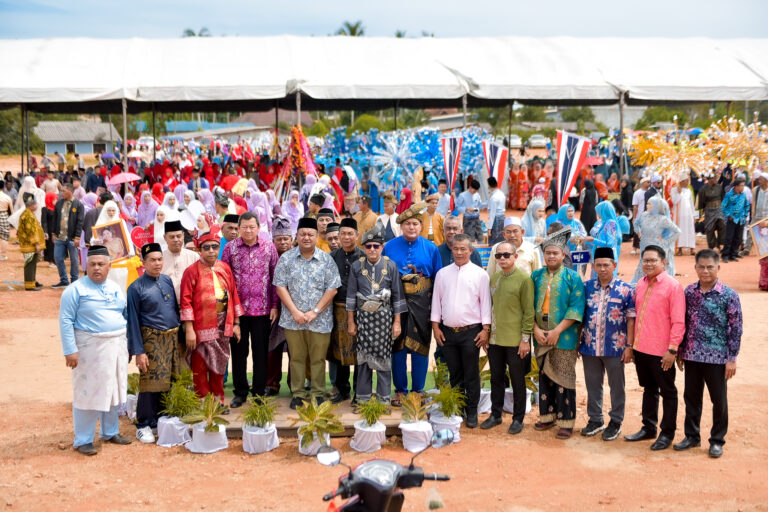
(440, 371)
(372, 410)
(319, 129)
(660, 114)
(355, 29)
(210, 412)
(413, 408)
(11, 126)
(576, 114)
(185, 378)
(450, 401)
(261, 411)
(133, 383)
(317, 419)
(485, 375)
(532, 379)
(365, 122)
(180, 400)
(188, 32)
(532, 113)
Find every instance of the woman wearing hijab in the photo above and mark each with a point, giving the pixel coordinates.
(170, 201)
(273, 203)
(588, 201)
(189, 196)
(655, 227)
(27, 186)
(566, 216)
(534, 223)
(146, 210)
(306, 190)
(260, 200)
(157, 193)
(406, 201)
(129, 212)
(293, 210)
(206, 197)
(613, 183)
(46, 220)
(623, 215)
(110, 212)
(606, 232)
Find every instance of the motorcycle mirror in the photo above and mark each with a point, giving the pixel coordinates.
(442, 438)
(328, 456)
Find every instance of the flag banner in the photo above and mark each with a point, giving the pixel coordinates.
(451, 157)
(495, 160)
(571, 153)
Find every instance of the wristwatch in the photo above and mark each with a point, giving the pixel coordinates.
(672, 351)
(316, 311)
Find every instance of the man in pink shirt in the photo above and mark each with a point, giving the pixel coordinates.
(659, 330)
(461, 320)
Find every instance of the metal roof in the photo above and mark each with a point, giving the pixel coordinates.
(75, 131)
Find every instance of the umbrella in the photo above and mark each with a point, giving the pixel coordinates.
(136, 154)
(123, 177)
(227, 182)
(593, 160)
(107, 155)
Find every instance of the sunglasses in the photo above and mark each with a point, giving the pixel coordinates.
(372, 246)
(209, 247)
(500, 255)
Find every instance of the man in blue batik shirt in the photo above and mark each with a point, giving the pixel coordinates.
(735, 208)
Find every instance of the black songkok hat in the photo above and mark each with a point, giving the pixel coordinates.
(333, 226)
(349, 222)
(317, 199)
(173, 225)
(307, 222)
(325, 212)
(604, 252)
(150, 247)
(231, 217)
(97, 250)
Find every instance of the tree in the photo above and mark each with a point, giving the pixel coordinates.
(318, 129)
(365, 122)
(660, 114)
(355, 29)
(531, 113)
(188, 32)
(576, 114)
(399, 34)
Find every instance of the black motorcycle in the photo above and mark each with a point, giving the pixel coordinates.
(376, 485)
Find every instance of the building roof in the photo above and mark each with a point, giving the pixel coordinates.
(268, 118)
(75, 131)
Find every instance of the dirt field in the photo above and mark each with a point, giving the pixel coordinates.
(489, 470)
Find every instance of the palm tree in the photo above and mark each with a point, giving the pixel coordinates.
(351, 29)
(399, 34)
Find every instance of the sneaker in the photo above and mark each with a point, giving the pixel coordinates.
(145, 435)
(612, 432)
(593, 428)
(60, 284)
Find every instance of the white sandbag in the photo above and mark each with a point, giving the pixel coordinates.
(260, 440)
(315, 445)
(429, 397)
(207, 442)
(484, 404)
(368, 438)
(509, 402)
(172, 432)
(417, 435)
(129, 407)
(439, 422)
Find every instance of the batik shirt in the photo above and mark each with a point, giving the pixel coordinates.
(713, 324)
(307, 280)
(253, 267)
(605, 318)
(735, 206)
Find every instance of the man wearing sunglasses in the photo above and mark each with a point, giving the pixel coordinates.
(211, 311)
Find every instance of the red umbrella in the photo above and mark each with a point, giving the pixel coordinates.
(227, 182)
(123, 177)
(593, 160)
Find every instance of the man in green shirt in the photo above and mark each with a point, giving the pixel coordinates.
(510, 344)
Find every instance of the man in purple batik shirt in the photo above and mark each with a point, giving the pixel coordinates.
(253, 264)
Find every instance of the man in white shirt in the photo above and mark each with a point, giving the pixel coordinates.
(389, 217)
(444, 202)
(528, 256)
(497, 203)
(461, 321)
(638, 207)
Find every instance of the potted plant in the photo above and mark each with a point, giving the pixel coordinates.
(484, 404)
(129, 408)
(319, 422)
(417, 432)
(209, 432)
(450, 402)
(442, 378)
(370, 433)
(259, 431)
(179, 401)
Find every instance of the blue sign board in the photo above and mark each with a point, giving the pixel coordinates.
(580, 257)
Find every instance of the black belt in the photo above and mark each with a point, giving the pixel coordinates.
(545, 318)
(464, 328)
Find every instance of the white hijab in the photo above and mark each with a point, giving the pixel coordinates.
(159, 231)
(170, 196)
(104, 217)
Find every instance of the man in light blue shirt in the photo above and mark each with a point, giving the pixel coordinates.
(497, 205)
(469, 205)
(444, 202)
(92, 323)
(736, 209)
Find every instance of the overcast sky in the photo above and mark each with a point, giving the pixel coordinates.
(447, 18)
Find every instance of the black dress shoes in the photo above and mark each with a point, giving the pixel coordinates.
(685, 444)
(236, 402)
(640, 435)
(338, 398)
(118, 439)
(296, 401)
(715, 450)
(471, 420)
(662, 443)
(490, 422)
(516, 427)
(87, 449)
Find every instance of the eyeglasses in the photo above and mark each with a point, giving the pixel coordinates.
(500, 255)
(651, 262)
(372, 246)
(210, 247)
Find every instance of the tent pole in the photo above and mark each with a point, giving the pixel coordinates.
(464, 108)
(622, 170)
(397, 105)
(509, 139)
(125, 134)
(26, 129)
(21, 112)
(154, 139)
(277, 128)
(298, 108)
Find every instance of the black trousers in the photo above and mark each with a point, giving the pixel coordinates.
(462, 357)
(696, 376)
(148, 409)
(655, 382)
(254, 334)
(499, 359)
(733, 235)
(716, 239)
(342, 376)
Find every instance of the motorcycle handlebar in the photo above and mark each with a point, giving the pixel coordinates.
(435, 476)
(331, 495)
